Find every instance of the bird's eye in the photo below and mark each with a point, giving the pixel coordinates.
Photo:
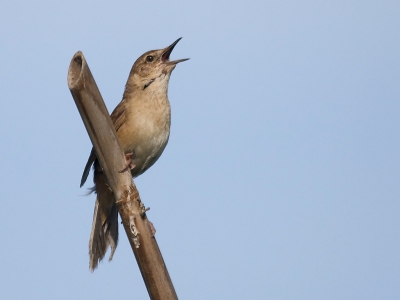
(149, 58)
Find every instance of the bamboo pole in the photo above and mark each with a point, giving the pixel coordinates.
(132, 211)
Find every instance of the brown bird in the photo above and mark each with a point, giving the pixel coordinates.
(142, 121)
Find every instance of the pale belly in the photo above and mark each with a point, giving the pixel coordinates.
(146, 135)
(149, 151)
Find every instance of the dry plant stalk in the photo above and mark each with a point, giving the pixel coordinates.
(132, 211)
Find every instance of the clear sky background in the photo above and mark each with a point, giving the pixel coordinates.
(281, 176)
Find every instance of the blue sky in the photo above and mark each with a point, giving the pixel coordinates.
(281, 176)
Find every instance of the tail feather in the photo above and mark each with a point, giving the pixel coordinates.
(105, 221)
(112, 230)
(89, 163)
(97, 244)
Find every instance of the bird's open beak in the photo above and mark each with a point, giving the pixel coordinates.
(167, 52)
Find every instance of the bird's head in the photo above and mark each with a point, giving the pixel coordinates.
(153, 68)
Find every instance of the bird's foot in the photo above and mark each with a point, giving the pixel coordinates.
(129, 165)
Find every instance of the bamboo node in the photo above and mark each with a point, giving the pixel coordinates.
(129, 194)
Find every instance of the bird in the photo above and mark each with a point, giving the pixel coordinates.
(142, 121)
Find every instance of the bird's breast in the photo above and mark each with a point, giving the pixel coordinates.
(146, 132)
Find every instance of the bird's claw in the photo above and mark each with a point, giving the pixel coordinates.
(129, 165)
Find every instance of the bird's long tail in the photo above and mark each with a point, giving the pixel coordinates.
(105, 220)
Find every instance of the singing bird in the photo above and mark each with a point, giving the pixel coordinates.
(142, 121)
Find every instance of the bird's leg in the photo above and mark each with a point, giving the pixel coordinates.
(129, 165)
